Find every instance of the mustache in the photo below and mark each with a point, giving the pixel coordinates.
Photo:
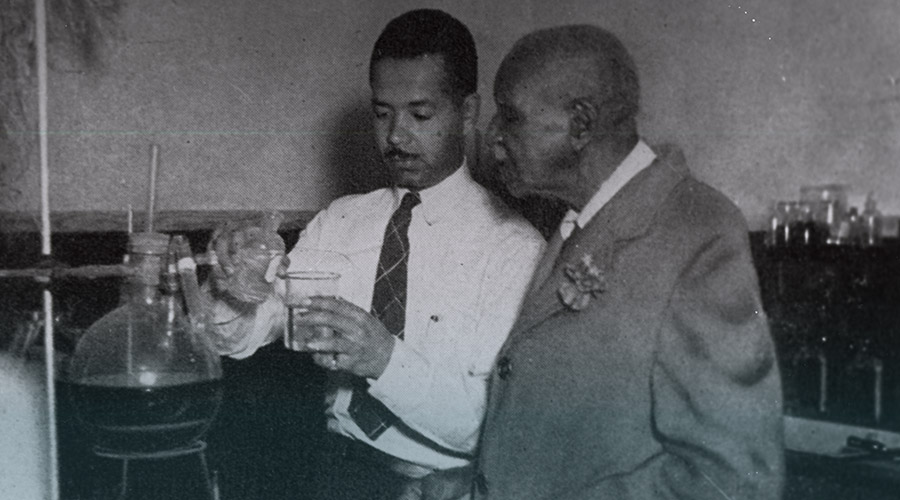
(394, 154)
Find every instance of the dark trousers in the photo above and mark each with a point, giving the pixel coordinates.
(348, 470)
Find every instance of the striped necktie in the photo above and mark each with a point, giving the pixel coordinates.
(389, 306)
(389, 296)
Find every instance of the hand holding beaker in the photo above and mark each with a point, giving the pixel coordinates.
(312, 273)
(299, 287)
(361, 344)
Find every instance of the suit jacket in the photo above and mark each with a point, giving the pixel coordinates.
(665, 384)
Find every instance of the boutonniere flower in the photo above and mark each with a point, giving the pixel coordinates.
(585, 280)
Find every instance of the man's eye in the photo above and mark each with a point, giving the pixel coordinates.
(421, 116)
(379, 113)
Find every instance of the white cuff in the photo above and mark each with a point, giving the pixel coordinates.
(242, 334)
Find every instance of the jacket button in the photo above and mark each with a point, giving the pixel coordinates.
(504, 367)
(481, 484)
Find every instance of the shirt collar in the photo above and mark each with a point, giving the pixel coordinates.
(640, 157)
(438, 200)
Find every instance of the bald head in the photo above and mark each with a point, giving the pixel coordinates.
(567, 102)
(576, 63)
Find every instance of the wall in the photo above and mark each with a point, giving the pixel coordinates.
(263, 104)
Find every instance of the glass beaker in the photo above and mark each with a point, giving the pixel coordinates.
(311, 273)
(300, 285)
(144, 377)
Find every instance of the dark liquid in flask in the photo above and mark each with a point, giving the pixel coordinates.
(174, 412)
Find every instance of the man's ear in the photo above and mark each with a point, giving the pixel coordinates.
(583, 119)
(471, 105)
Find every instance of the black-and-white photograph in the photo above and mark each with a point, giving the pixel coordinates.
(449, 250)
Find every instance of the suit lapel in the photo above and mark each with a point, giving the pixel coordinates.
(626, 216)
(545, 266)
(543, 300)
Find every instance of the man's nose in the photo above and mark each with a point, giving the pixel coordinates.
(398, 133)
(494, 140)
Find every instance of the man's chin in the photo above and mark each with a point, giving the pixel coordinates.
(515, 190)
(407, 180)
(513, 186)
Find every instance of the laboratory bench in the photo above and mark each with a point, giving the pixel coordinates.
(831, 310)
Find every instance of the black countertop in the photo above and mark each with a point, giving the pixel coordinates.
(266, 439)
(263, 443)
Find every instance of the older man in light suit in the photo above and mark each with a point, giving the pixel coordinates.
(641, 366)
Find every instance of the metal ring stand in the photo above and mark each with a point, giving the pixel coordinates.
(198, 447)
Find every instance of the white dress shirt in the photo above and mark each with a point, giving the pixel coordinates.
(640, 157)
(470, 262)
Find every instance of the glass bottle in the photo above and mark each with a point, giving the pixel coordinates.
(847, 228)
(780, 224)
(791, 214)
(803, 230)
(832, 222)
(776, 222)
(144, 378)
(854, 226)
(871, 222)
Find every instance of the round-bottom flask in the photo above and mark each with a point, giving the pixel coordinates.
(144, 377)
